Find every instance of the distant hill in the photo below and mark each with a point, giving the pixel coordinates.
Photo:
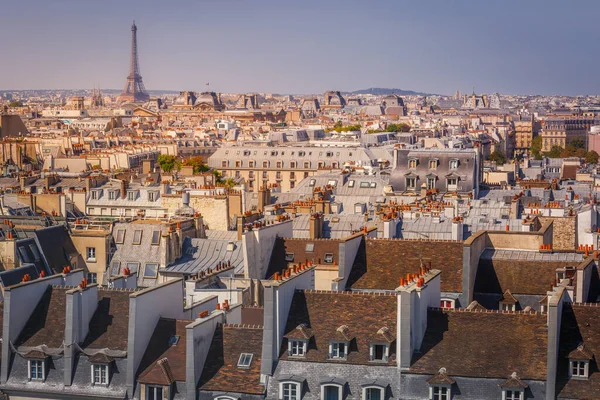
(384, 91)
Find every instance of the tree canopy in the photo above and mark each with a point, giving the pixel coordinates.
(167, 162)
(400, 127)
(536, 147)
(198, 163)
(498, 156)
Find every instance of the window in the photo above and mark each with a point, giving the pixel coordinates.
(453, 164)
(36, 370)
(238, 164)
(223, 164)
(90, 253)
(279, 164)
(112, 194)
(173, 340)
(137, 237)
(92, 277)
(245, 360)
(433, 164)
(379, 352)
(155, 238)
(265, 164)
(579, 369)
(312, 182)
(440, 393)
(100, 374)
(251, 164)
(133, 266)
(116, 268)
(278, 175)
(151, 270)
(264, 175)
(430, 183)
(513, 395)
(94, 194)
(331, 392)
(309, 247)
(289, 391)
(289, 257)
(297, 348)
(373, 185)
(328, 259)
(446, 304)
(292, 164)
(372, 393)
(152, 196)
(154, 392)
(338, 350)
(35, 252)
(508, 306)
(412, 163)
(120, 236)
(306, 164)
(351, 184)
(452, 183)
(411, 183)
(131, 195)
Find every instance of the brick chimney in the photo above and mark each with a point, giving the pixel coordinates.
(241, 221)
(315, 226)
(264, 197)
(123, 189)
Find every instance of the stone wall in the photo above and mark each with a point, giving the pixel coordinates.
(213, 209)
(564, 228)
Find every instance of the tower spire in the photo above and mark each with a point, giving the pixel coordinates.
(134, 90)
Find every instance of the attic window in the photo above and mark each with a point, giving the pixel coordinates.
(310, 247)
(289, 257)
(245, 360)
(37, 370)
(312, 182)
(364, 185)
(155, 238)
(151, 270)
(351, 184)
(328, 259)
(230, 246)
(137, 237)
(120, 236)
(173, 340)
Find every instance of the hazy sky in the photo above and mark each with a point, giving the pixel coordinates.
(284, 46)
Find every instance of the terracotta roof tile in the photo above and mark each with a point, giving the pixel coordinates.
(47, 322)
(388, 260)
(154, 369)
(579, 324)
(221, 372)
(365, 314)
(109, 327)
(511, 342)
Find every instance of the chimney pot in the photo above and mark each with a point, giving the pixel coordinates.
(218, 306)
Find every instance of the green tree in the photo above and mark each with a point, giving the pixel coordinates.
(15, 104)
(400, 127)
(198, 163)
(578, 143)
(591, 157)
(498, 156)
(167, 162)
(555, 152)
(536, 147)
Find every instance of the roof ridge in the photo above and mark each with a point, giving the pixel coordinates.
(346, 292)
(414, 240)
(243, 326)
(479, 311)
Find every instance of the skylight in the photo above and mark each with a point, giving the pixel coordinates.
(173, 340)
(245, 360)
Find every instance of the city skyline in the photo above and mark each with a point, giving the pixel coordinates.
(304, 48)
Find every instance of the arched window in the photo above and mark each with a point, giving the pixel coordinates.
(290, 390)
(373, 393)
(331, 391)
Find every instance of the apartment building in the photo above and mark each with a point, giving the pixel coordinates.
(561, 131)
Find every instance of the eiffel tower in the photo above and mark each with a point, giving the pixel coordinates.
(134, 87)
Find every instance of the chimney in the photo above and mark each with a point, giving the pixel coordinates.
(264, 197)
(241, 221)
(315, 226)
(123, 188)
(515, 208)
(423, 190)
(414, 297)
(164, 185)
(457, 229)
(389, 228)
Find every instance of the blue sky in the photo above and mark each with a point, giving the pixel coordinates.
(508, 46)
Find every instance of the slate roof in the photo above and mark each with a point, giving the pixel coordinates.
(109, 326)
(365, 314)
(388, 260)
(201, 254)
(510, 342)
(521, 272)
(57, 246)
(299, 248)
(46, 325)
(221, 372)
(580, 325)
(154, 371)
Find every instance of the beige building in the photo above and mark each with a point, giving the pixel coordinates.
(560, 132)
(93, 242)
(525, 131)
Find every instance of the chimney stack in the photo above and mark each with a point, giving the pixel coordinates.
(315, 226)
(123, 188)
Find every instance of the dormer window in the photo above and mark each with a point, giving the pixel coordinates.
(112, 194)
(411, 183)
(440, 386)
(579, 363)
(379, 352)
(453, 164)
(152, 196)
(131, 195)
(373, 393)
(95, 194)
(513, 388)
(412, 163)
(508, 302)
(37, 369)
(433, 164)
(100, 374)
(338, 350)
(297, 348)
(328, 259)
(331, 391)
